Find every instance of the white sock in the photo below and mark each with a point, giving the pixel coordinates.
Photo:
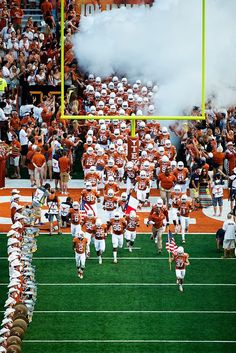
(115, 255)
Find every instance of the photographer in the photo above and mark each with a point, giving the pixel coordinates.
(53, 211)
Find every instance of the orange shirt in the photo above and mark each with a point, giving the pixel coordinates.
(88, 224)
(111, 171)
(80, 245)
(88, 160)
(74, 216)
(15, 123)
(170, 152)
(142, 184)
(90, 196)
(38, 159)
(132, 224)
(64, 164)
(163, 166)
(46, 6)
(118, 226)
(218, 157)
(181, 175)
(167, 181)
(157, 219)
(100, 233)
(180, 261)
(93, 178)
(108, 186)
(120, 159)
(110, 203)
(29, 157)
(16, 147)
(184, 208)
(131, 174)
(101, 161)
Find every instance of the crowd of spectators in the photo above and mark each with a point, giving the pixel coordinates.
(35, 128)
(29, 50)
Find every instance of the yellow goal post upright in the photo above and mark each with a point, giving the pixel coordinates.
(133, 118)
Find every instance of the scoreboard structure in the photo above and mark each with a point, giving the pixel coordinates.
(89, 7)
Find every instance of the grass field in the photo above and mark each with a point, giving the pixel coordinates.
(131, 307)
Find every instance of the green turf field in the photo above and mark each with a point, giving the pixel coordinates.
(131, 307)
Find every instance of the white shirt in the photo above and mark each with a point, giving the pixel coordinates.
(53, 207)
(217, 190)
(55, 166)
(37, 114)
(26, 109)
(233, 179)
(2, 115)
(5, 72)
(23, 137)
(229, 227)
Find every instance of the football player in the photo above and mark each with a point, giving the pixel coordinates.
(111, 184)
(184, 209)
(158, 218)
(131, 172)
(120, 160)
(181, 174)
(181, 260)
(110, 204)
(118, 226)
(110, 170)
(174, 199)
(130, 233)
(100, 234)
(88, 224)
(88, 159)
(93, 177)
(142, 187)
(122, 203)
(91, 197)
(79, 246)
(75, 219)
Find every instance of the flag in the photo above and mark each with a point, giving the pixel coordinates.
(131, 204)
(170, 243)
(84, 208)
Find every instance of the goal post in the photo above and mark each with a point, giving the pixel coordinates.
(134, 118)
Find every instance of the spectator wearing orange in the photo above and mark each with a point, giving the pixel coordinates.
(47, 152)
(30, 165)
(39, 162)
(64, 164)
(16, 15)
(15, 156)
(218, 158)
(46, 7)
(167, 181)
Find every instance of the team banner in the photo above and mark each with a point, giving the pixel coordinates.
(88, 7)
(133, 149)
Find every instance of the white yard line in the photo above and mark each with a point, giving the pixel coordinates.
(126, 341)
(139, 233)
(133, 312)
(123, 258)
(131, 284)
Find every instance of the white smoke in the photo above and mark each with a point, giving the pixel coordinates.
(163, 44)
